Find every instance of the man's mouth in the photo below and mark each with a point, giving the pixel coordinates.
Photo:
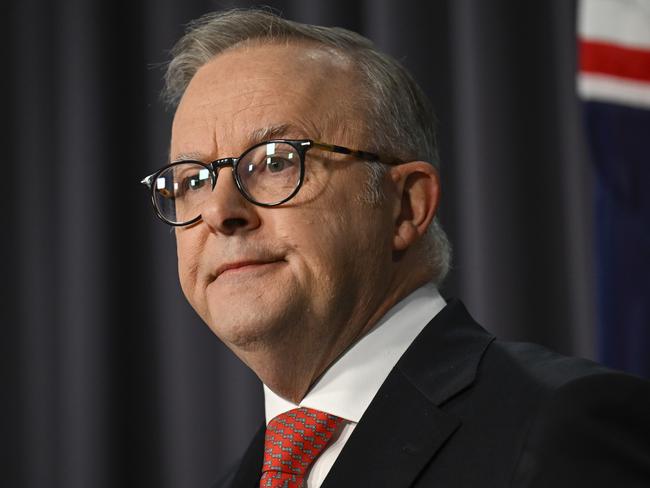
(244, 266)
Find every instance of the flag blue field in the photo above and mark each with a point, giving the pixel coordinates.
(614, 84)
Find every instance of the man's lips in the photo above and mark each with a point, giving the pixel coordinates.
(244, 265)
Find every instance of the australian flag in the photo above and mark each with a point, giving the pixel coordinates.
(614, 84)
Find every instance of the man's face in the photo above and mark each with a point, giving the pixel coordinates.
(306, 274)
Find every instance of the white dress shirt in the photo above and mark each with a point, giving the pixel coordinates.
(349, 385)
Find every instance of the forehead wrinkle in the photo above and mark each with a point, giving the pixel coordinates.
(256, 136)
(264, 131)
(333, 125)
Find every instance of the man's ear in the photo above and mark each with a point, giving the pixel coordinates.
(418, 193)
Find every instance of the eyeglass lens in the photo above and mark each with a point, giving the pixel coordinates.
(268, 174)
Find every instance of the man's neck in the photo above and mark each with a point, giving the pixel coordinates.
(291, 371)
(348, 385)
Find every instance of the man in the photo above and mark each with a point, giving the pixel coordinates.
(304, 188)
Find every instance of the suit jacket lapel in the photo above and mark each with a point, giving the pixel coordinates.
(396, 437)
(249, 471)
(443, 359)
(404, 425)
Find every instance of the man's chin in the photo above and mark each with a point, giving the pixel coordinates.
(245, 330)
(248, 313)
(241, 338)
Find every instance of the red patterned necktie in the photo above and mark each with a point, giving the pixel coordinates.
(292, 443)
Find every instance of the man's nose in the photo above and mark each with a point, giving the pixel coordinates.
(226, 211)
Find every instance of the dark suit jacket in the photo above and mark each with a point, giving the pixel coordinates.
(461, 409)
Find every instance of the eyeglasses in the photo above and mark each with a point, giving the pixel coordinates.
(268, 174)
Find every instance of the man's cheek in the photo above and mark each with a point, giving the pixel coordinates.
(182, 277)
(187, 275)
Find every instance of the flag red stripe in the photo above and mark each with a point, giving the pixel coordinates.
(625, 62)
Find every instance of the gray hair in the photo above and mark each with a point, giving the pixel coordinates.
(397, 113)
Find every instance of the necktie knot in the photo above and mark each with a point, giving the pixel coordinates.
(292, 443)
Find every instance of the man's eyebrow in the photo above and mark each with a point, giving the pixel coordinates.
(277, 131)
(186, 156)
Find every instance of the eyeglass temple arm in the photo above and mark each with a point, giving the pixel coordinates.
(368, 156)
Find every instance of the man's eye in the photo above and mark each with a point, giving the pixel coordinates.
(194, 182)
(276, 164)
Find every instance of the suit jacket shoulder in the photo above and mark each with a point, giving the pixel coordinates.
(534, 418)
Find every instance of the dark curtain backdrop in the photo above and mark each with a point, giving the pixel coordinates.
(108, 377)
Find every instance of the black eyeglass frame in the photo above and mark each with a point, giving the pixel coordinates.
(300, 145)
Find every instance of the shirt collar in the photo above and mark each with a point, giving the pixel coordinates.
(349, 385)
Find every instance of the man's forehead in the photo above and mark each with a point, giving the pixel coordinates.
(259, 92)
(258, 69)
